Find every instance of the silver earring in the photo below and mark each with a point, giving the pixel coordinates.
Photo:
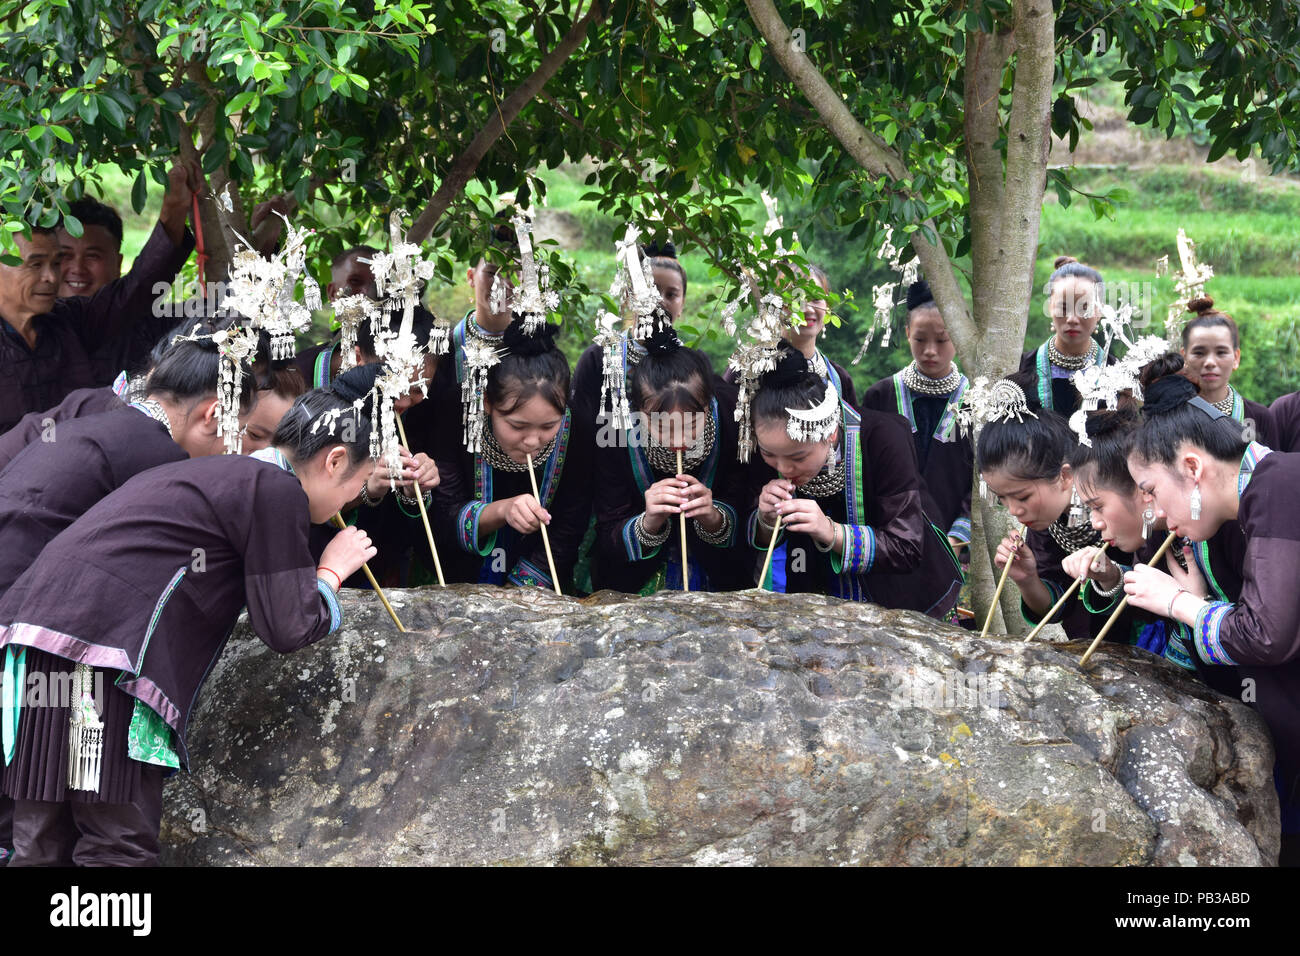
(1148, 516)
(833, 460)
(1196, 502)
(1077, 516)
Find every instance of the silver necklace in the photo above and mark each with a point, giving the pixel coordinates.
(1225, 404)
(917, 381)
(496, 456)
(827, 482)
(664, 459)
(1071, 540)
(1071, 362)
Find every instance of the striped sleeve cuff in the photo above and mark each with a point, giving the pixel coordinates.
(526, 574)
(960, 530)
(1205, 632)
(1176, 647)
(632, 544)
(332, 602)
(467, 530)
(1053, 589)
(859, 550)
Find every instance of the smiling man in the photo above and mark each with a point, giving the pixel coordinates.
(93, 259)
(47, 343)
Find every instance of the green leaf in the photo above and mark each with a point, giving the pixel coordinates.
(112, 112)
(239, 101)
(168, 41)
(73, 225)
(139, 193)
(34, 133)
(755, 56)
(61, 133)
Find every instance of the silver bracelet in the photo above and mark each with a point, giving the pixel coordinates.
(366, 499)
(412, 503)
(647, 539)
(719, 537)
(1110, 593)
(836, 530)
(1169, 612)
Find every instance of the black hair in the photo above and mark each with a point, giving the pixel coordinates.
(189, 370)
(919, 296)
(1104, 464)
(1067, 267)
(1175, 413)
(356, 381)
(531, 366)
(92, 212)
(663, 255)
(670, 376)
(791, 384)
(1032, 449)
(1207, 317)
(421, 326)
(308, 427)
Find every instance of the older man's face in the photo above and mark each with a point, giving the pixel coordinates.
(29, 289)
(90, 262)
(352, 277)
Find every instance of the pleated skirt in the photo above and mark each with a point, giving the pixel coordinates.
(39, 769)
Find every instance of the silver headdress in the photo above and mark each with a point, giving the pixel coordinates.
(262, 291)
(533, 299)
(984, 403)
(1099, 384)
(613, 388)
(1189, 282)
(479, 359)
(351, 311)
(400, 274)
(817, 423)
(238, 347)
(882, 296)
(754, 357)
(634, 284)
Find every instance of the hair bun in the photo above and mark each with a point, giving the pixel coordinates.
(1168, 393)
(518, 342)
(918, 294)
(1201, 305)
(663, 340)
(1063, 261)
(791, 368)
(656, 249)
(1107, 421)
(356, 382)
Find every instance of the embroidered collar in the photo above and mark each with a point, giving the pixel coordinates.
(156, 412)
(272, 455)
(1255, 453)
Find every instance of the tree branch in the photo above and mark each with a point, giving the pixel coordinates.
(463, 168)
(875, 156)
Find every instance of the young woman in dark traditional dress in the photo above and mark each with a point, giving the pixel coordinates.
(1211, 353)
(848, 494)
(1024, 461)
(1126, 520)
(1193, 460)
(924, 393)
(677, 402)
(1075, 294)
(485, 501)
(137, 552)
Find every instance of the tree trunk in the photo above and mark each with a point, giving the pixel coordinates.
(1006, 198)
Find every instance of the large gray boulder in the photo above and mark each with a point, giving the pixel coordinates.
(513, 726)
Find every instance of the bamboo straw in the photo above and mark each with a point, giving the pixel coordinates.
(424, 514)
(686, 577)
(1002, 582)
(338, 520)
(546, 541)
(771, 545)
(1074, 586)
(1122, 604)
